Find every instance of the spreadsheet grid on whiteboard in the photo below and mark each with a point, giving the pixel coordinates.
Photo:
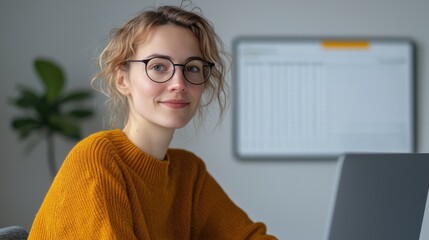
(315, 97)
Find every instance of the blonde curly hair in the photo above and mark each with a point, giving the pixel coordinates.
(125, 40)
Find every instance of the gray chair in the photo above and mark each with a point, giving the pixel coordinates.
(13, 233)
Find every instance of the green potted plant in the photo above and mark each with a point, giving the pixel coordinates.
(51, 111)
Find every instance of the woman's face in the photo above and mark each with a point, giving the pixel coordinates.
(171, 104)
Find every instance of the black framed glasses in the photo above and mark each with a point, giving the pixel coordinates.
(161, 69)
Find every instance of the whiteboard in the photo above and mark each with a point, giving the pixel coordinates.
(320, 97)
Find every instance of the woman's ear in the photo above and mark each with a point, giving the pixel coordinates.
(122, 82)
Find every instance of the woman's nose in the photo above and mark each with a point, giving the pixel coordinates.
(178, 82)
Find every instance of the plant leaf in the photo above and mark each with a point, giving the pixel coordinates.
(52, 77)
(65, 126)
(81, 113)
(25, 126)
(76, 96)
(27, 99)
(23, 121)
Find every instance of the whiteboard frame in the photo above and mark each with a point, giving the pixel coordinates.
(236, 80)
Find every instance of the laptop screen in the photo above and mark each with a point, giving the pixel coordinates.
(379, 196)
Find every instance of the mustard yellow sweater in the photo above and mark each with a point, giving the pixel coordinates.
(107, 188)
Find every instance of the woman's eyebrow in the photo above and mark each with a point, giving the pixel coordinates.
(158, 55)
(169, 57)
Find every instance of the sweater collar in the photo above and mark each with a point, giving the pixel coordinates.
(141, 162)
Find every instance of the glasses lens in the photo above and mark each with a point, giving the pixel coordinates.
(197, 71)
(159, 69)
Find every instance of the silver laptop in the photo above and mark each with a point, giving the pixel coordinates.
(380, 197)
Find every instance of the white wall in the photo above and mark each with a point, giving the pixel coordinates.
(292, 197)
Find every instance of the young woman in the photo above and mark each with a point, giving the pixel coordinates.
(128, 184)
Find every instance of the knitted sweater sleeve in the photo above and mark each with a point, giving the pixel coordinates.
(87, 199)
(217, 217)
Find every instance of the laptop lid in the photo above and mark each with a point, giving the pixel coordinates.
(379, 196)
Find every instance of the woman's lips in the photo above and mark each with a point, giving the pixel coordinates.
(175, 103)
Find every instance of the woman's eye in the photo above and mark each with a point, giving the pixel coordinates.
(158, 67)
(193, 69)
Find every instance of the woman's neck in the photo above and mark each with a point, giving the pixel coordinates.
(153, 140)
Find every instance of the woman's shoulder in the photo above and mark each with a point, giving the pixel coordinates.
(90, 155)
(95, 148)
(102, 139)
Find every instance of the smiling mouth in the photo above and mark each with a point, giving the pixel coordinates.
(175, 104)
